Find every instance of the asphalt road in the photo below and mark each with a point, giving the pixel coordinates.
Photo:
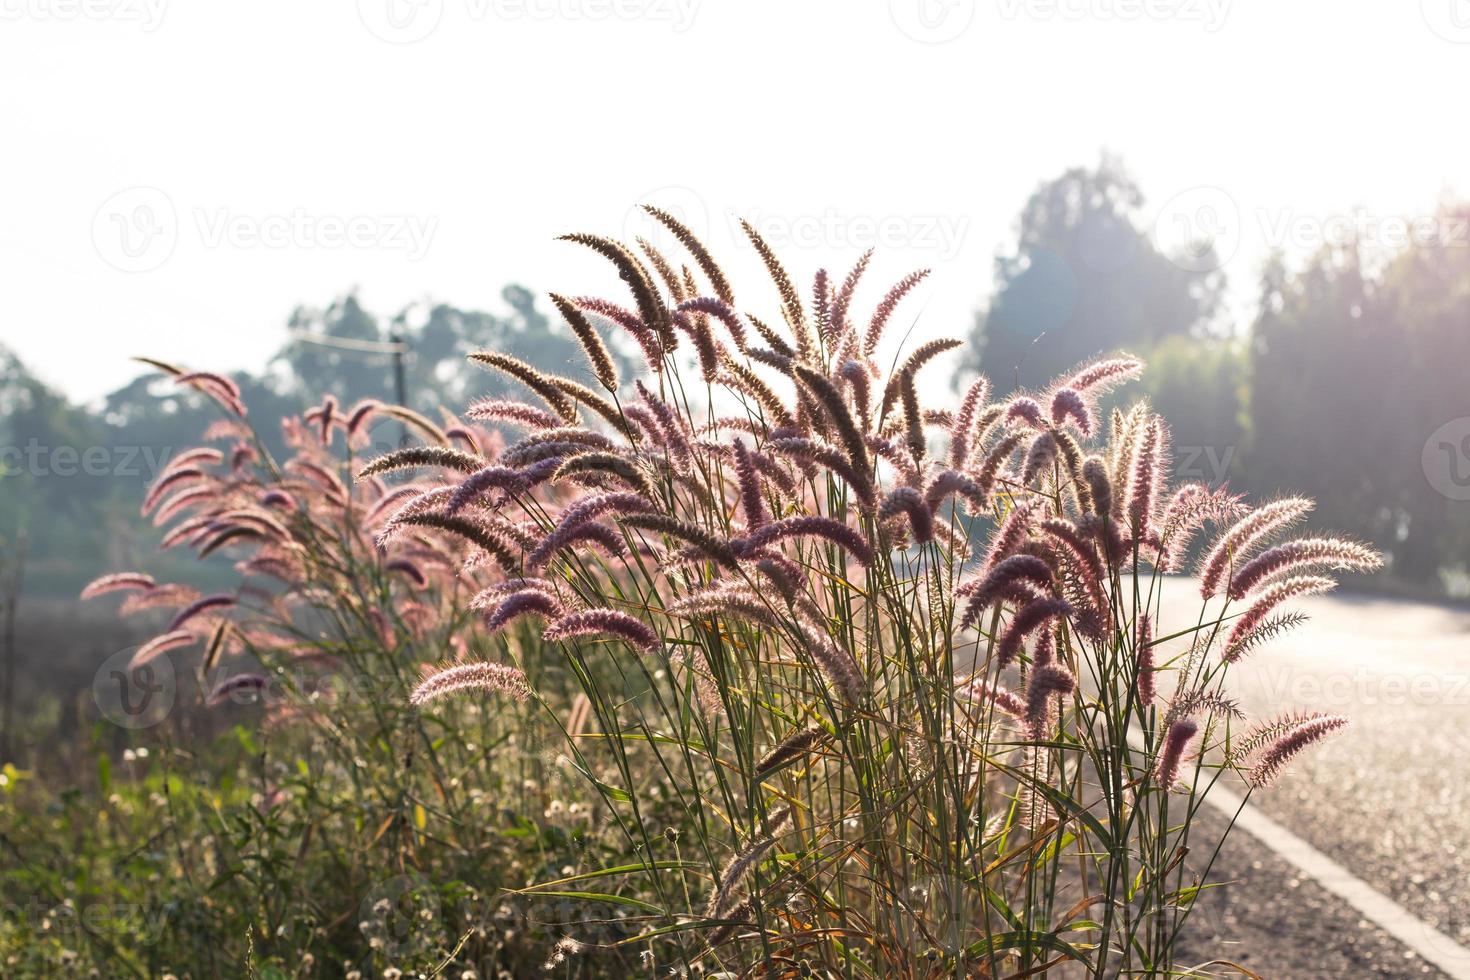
(1388, 799)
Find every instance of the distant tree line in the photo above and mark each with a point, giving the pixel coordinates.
(1338, 388)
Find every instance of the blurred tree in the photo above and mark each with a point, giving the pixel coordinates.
(1352, 370)
(1084, 279)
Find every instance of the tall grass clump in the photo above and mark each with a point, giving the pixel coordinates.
(895, 695)
(348, 833)
(851, 685)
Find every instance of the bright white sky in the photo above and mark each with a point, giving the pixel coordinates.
(258, 130)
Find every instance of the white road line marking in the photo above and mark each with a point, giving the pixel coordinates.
(1421, 937)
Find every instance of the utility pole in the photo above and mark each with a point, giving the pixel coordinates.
(396, 347)
(400, 382)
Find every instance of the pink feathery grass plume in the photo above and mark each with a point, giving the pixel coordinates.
(856, 374)
(409, 570)
(962, 431)
(948, 483)
(1144, 645)
(490, 477)
(1100, 485)
(1066, 404)
(590, 532)
(525, 603)
(159, 644)
(1266, 602)
(1028, 620)
(597, 504)
(835, 663)
(671, 427)
(415, 507)
(1047, 681)
(1040, 456)
(198, 456)
(518, 413)
(222, 533)
(810, 525)
(1299, 555)
(330, 483)
(184, 500)
(1276, 755)
(842, 299)
(886, 307)
(910, 503)
(995, 460)
(1147, 480)
(218, 387)
(1011, 533)
(230, 687)
(241, 456)
(222, 429)
(398, 495)
(1025, 411)
(598, 622)
(1102, 375)
(1175, 741)
(717, 308)
(1083, 562)
(493, 678)
(491, 596)
(324, 416)
(1006, 700)
(279, 499)
(790, 748)
(578, 516)
(1189, 508)
(722, 901)
(750, 488)
(818, 453)
(167, 594)
(117, 582)
(1019, 578)
(175, 478)
(362, 413)
(419, 456)
(1243, 537)
(219, 600)
(1265, 630)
